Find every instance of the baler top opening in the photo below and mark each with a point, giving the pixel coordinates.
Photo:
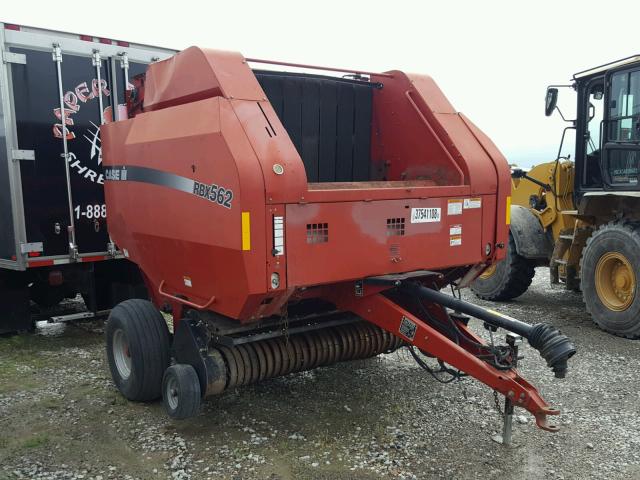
(339, 126)
(329, 121)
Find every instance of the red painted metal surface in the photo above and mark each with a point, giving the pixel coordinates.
(207, 119)
(201, 125)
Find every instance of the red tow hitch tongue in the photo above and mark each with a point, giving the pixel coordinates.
(468, 353)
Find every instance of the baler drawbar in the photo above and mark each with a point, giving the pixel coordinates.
(292, 220)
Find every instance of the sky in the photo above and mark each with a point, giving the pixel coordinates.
(493, 59)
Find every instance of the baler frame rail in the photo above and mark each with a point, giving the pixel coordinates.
(378, 304)
(283, 330)
(317, 67)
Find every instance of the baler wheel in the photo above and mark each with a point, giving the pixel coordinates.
(181, 391)
(137, 349)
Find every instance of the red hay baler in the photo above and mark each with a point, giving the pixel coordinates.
(293, 220)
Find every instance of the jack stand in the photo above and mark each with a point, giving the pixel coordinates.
(508, 422)
(513, 341)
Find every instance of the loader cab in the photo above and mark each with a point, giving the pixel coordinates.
(607, 154)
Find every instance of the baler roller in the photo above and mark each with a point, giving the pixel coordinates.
(252, 362)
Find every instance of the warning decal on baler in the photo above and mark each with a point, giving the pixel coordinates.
(455, 230)
(214, 193)
(473, 202)
(407, 328)
(454, 206)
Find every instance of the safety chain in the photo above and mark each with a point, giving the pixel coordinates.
(496, 398)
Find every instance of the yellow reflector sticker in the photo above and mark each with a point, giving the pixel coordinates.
(508, 210)
(246, 231)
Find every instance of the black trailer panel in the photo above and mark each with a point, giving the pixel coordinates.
(52, 191)
(88, 102)
(56, 89)
(44, 190)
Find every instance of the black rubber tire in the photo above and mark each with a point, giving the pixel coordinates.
(512, 277)
(624, 238)
(181, 394)
(147, 337)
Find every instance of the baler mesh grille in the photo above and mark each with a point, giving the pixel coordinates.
(395, 226)
(317, 232)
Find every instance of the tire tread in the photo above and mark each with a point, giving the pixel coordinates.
(518, 278)
(147, 332)
(627, 227)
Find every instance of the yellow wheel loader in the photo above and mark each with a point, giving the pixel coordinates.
(582, 218)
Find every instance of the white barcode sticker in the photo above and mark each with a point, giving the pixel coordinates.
(425, 215)
(455, 230)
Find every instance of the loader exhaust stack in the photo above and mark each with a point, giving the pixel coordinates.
(282, 218)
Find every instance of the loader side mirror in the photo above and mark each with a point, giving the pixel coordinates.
(551, 101)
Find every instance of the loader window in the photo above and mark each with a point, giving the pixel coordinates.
(595, 113)
(624, 107)
(622, 152)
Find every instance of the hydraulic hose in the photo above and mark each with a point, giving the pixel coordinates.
(552, 345)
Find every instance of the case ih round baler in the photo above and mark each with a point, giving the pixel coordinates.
(289, 221)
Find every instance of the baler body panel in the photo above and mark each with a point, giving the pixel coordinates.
(250, 199)
(292, 147)
(333, 242)
(168, 216)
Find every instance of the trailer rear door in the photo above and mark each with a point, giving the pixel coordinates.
(90, 88)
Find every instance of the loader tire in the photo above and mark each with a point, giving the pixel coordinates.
(507, 279)
(609, 275)
(137, 349)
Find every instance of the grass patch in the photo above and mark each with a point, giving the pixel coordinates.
(73, 336)
(14, 378)
(35, 441)
(51, 403)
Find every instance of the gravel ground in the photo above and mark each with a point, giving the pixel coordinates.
(61, 416)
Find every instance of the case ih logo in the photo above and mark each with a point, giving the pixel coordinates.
(74, 101)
